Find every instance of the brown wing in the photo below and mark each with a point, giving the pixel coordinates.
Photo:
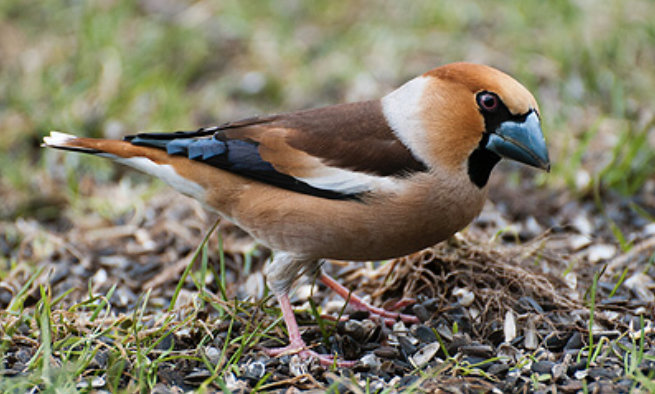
(352, 136)
(334, 152)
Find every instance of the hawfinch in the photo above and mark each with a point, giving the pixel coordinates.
(370, 180)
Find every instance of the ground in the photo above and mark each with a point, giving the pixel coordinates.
(112, 282)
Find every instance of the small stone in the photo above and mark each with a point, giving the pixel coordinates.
(100, 277)
(197, 376)
(581, 374)
(556, 341)
(425, 334)
(479, 362)
(445, 332)
(370, 361)
(406, 345)
(360, 315)
(213, 354)
(543, 367)
(582, 224)
(602, 386)
(615, 300)
(82, 385)
(649, 229)
(582, 179)
(575, 342)
(407, 380)
(626, 384)
(351, 348)
(354, 329)
(232, 383)
(167, 342)
(98, 382)
(23, 355)
(490, 218)
(531, 228)
(647, 367)
(640, 284)
(253, 82)
(498, 369)
(61, 273)
(478, 350)
(570, 386)
(162, 388)
(399, 327)
(597, 373)
(254, 371)
(99, 361)
(386, 352)
(421, 312)
(580, 365)
(457, 342)
(571, 280)
(600, 252)
(431, 304)
(579, 242)
(303, 292)
(559, 370)
(255, 286)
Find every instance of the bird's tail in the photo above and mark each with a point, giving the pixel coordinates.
(149, 159)
(114, 149)
(69, 142)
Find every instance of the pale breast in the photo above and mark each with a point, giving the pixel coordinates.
(429, 211)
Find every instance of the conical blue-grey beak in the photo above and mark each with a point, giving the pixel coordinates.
(521, 141)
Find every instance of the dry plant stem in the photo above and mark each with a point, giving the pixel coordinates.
(358, 303)
(296, 343)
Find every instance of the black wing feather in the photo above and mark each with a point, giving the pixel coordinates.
(237, 156)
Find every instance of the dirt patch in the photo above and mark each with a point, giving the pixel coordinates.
(505, 304)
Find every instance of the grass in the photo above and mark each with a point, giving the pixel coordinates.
(131, 349)
(100, 68)
(135, 350)
(95, 68)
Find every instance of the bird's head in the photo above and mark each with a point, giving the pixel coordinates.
(465, 116)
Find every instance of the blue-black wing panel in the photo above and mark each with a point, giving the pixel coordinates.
(237, 156)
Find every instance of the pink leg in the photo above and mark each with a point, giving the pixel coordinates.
(296, 344)
(358, 303)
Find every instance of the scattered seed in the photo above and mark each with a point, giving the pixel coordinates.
(423, 356)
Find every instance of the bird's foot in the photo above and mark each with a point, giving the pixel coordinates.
(300, 348)
(389, 317)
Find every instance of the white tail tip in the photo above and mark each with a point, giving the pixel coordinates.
(57, 139)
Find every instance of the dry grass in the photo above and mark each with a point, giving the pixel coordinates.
(92, 255)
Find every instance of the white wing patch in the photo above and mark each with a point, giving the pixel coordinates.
(350, 182)
(165, 172)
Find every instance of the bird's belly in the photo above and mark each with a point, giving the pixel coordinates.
(365, 237)
(374, 229)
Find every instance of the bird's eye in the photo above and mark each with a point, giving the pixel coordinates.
(488, 101)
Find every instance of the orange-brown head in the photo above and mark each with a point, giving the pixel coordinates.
(465, 116)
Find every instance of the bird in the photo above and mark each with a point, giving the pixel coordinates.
(360, 181)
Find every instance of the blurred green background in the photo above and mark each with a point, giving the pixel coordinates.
(112, 67)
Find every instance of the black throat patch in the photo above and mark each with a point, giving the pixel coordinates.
(480, 164)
